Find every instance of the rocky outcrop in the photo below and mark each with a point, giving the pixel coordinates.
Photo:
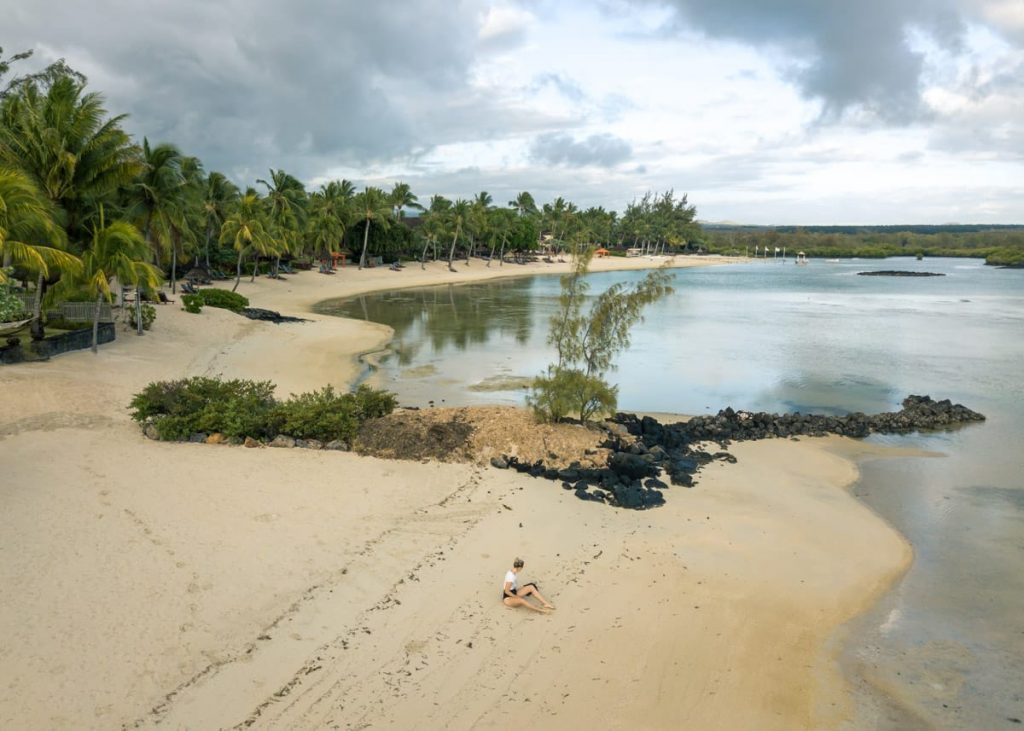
(643, 449)
(898, 273)
(255, 313)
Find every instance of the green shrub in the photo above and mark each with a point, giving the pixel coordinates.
(373, 404)
(178, 409)
(11, 306)
(323, 415)
(241, 408)
(148, 316)
(192, 303)
(213, 297)
(566, 392)
(58, 323)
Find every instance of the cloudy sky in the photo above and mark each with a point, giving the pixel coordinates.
(763, 111)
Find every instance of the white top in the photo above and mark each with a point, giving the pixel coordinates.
(511, 577)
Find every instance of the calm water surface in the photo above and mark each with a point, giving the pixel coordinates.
(945, 648)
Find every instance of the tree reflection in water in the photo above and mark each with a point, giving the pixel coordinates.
(447, 317)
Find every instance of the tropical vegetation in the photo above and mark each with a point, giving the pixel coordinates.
(586, 343)
(237, 409)
(86, 211)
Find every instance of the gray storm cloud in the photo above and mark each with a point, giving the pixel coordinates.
(265, 82)
(850, 55)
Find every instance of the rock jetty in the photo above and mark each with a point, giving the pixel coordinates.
(256, 313)
(898, 273)
(643, 450)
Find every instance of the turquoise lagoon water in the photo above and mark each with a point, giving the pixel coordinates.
(945, 648)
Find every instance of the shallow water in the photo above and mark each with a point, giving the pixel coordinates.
(945, 648)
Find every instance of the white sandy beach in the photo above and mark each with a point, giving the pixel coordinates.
(198, 587)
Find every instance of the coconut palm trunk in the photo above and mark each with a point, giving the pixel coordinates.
(96, 324)
(366, 240)
(501, 254)
(451, 252)
(174, 262)
(238, 272)
(37, 309)
(423, 259)
(209, 234)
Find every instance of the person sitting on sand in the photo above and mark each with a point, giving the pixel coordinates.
(512, 595)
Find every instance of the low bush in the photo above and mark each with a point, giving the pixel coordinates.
(192, 303)
(178, 409)
(242, 408)
(213, 297)
(11, 306)
(323, 415)
(58, 323)
(148, 316)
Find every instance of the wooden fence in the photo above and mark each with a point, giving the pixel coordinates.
(71, 311)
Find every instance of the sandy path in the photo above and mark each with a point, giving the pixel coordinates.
(203, 587)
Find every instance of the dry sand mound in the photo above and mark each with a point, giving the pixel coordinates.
(476, 434)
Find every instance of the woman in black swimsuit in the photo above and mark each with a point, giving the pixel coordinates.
(513, 595)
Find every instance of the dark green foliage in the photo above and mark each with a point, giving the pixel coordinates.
(373, 404)
(1006, 257)
(148, 316)
(240, 408)
(323, 415)
(992, 243)
(57, 323)
(192, 303)
(11, 306)
(213, 297)
(565, 391)
(178, 409)
(328, 415)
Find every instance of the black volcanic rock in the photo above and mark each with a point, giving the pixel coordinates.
(898, 273)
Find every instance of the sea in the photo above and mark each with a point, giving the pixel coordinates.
(945, 647)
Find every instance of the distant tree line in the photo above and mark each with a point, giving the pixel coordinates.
(84, 206)
(1000, 245)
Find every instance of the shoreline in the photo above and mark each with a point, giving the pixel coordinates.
(295, 589)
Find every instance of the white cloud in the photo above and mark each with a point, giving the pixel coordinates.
(790, 112)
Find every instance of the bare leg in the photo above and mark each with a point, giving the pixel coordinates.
(514, 601)
(531, 590)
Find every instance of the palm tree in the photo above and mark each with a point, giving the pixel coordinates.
(58, 135)
(524, 204)
(372, 205)
(434, 222)
(159, 204)
(245, 231)
(118, 250)
(286, 202)
(219, 194)
(329, 214)
(402, 197)
(26, 220)
(458, 216)
(326, 223)
(501, 222)
(478, 220)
